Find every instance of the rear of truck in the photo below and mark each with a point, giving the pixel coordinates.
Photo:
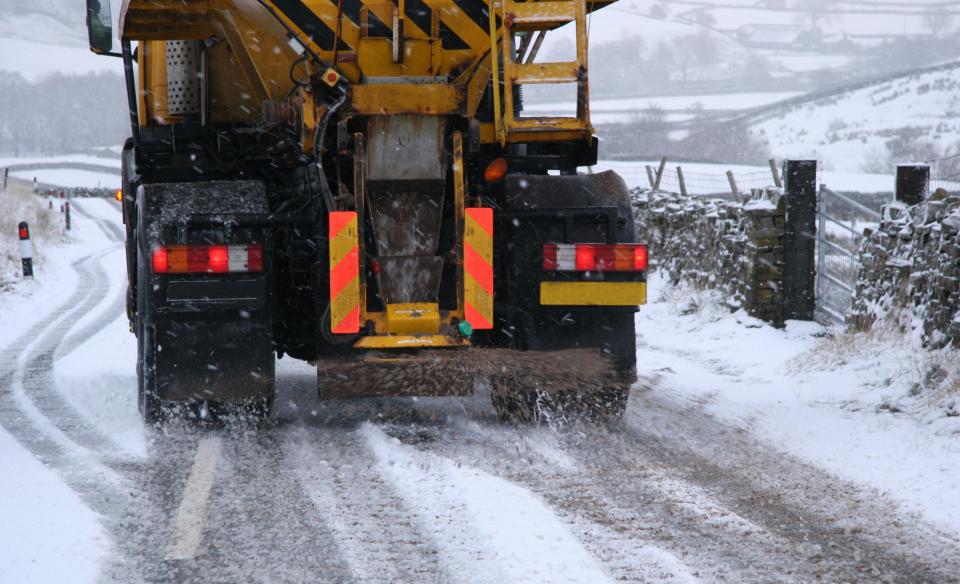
(356, 184)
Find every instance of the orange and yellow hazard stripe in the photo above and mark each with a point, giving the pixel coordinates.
(344, 273)
(478, 267)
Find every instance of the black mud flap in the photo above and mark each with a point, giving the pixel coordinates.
(203, 360)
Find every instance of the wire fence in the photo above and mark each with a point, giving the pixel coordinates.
(698, 184)
(945, 174)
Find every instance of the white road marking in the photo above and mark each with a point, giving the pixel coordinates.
(188, 524)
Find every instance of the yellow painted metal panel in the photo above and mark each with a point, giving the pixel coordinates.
(593, 293)
(545, 73)
(539, 15)
(415, 318)
(402, 98)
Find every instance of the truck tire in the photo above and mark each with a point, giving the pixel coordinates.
(151, 408)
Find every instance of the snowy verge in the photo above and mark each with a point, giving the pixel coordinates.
(47, 232)
(811, 395)
(47, 534)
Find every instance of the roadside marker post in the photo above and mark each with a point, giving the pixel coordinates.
(61, 201)
(67, 207)
(26, 249)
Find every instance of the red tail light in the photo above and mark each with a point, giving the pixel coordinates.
(586, 257)
(595, 257)
(208, 259)
(641, 255)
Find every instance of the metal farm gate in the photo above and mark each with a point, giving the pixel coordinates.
(840, 224)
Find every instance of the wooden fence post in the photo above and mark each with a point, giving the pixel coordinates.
(663, 166)
(682, 181)
(733, 186)
(777, 182)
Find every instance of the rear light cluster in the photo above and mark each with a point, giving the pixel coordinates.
(595, 257)
(208, 259)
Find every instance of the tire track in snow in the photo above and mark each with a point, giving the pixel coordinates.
(629, 491)
(488, 529)
(641, 529)
(110, 311)
(260, 525)
(844, 532)
(379, 536)
(38, 383)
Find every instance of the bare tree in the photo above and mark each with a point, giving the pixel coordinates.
(814, 11)
(938, 21)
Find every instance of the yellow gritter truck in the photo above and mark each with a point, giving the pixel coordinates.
(356, 183)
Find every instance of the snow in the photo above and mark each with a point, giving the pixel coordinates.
(796, 389)
(109, 162)
(850, 130)
(635, 174)
(35, 60)
(106, 358)
(68, 177)
(726, 101)
(496, 531)
(47, 534)
(70, 170)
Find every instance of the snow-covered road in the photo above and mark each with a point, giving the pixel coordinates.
(405, 490)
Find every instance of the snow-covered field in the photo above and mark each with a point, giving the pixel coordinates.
(70, 177)
(39, 40)
(850, 131)
(71, 170)
(106, 161)
(610, 111)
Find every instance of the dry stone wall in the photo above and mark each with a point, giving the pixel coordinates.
(734, 247)
(910, 269)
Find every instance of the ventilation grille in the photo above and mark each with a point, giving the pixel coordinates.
(183, 77)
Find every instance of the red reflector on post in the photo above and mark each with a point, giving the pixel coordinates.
(24, 234)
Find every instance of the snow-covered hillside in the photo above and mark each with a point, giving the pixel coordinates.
(915, 116)
(41, 38)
